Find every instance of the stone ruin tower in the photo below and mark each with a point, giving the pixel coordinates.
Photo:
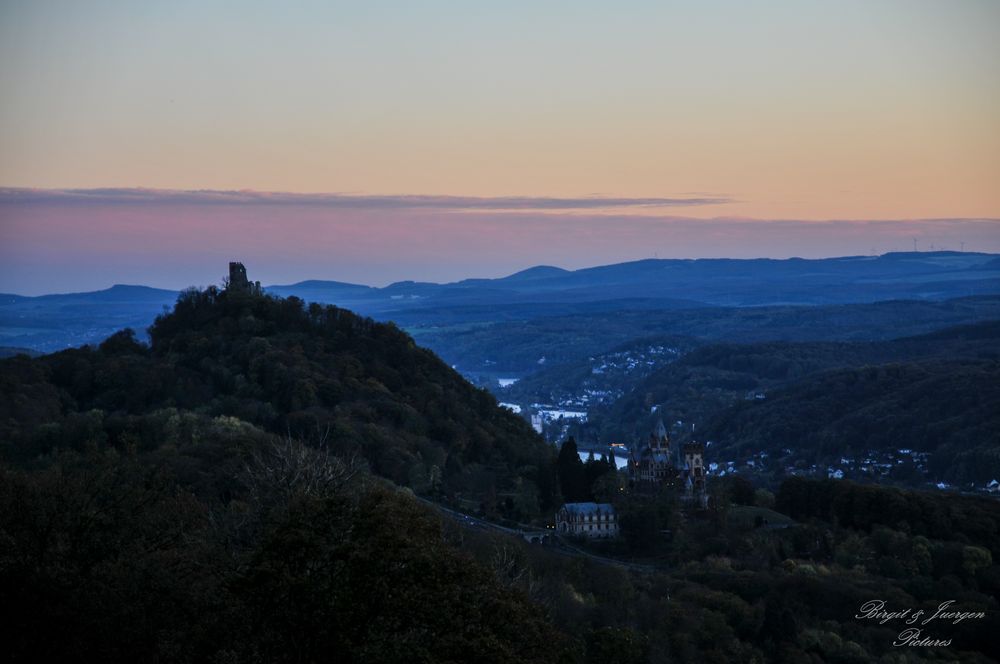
(238, 282)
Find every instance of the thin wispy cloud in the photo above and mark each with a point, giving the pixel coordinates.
(113, 196)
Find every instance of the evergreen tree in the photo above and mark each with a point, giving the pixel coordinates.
(572, 477)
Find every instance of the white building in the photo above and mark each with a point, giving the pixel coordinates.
(595, 520)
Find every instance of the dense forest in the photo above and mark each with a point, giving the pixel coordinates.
(228, 547)
(240, 490)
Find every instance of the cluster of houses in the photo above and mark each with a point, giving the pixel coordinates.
(903, 463)
(651, 465)
(603, 386)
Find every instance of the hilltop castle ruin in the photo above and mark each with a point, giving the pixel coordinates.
(238, 282)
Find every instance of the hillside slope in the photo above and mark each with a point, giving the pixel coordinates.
(516, 348)
(317, 373)
(948, 408)
(825, 399)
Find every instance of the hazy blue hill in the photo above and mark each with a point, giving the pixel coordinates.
(118, 293)
(41, 324)
(318, 285)
(719, 281)
(122, 293)
(323, 291)
(52, 322)
(409, 287)
(538, 272)
(713, 276)
(886, 266)
(516, 346)
(445, 320)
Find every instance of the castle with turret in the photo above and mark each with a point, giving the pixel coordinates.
(656, 463)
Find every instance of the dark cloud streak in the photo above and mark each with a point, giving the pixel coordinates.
(117, 196)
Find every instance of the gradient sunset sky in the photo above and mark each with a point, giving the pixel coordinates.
(377, 141)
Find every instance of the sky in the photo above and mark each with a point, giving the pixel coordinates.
(370, 142)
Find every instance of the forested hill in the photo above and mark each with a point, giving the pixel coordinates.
(947, 408)
(205, 498)
(316, 373)
(934, 393)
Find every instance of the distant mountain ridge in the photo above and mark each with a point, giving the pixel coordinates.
(537, 272)
(117, 292)
(709, 281)
(51, 322)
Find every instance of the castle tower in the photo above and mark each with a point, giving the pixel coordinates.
(694, 459)
(650, 463)
(694, 468)
(238, 282)
(659, 439)
(238, 277)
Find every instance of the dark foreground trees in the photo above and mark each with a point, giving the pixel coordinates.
(106, 558)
